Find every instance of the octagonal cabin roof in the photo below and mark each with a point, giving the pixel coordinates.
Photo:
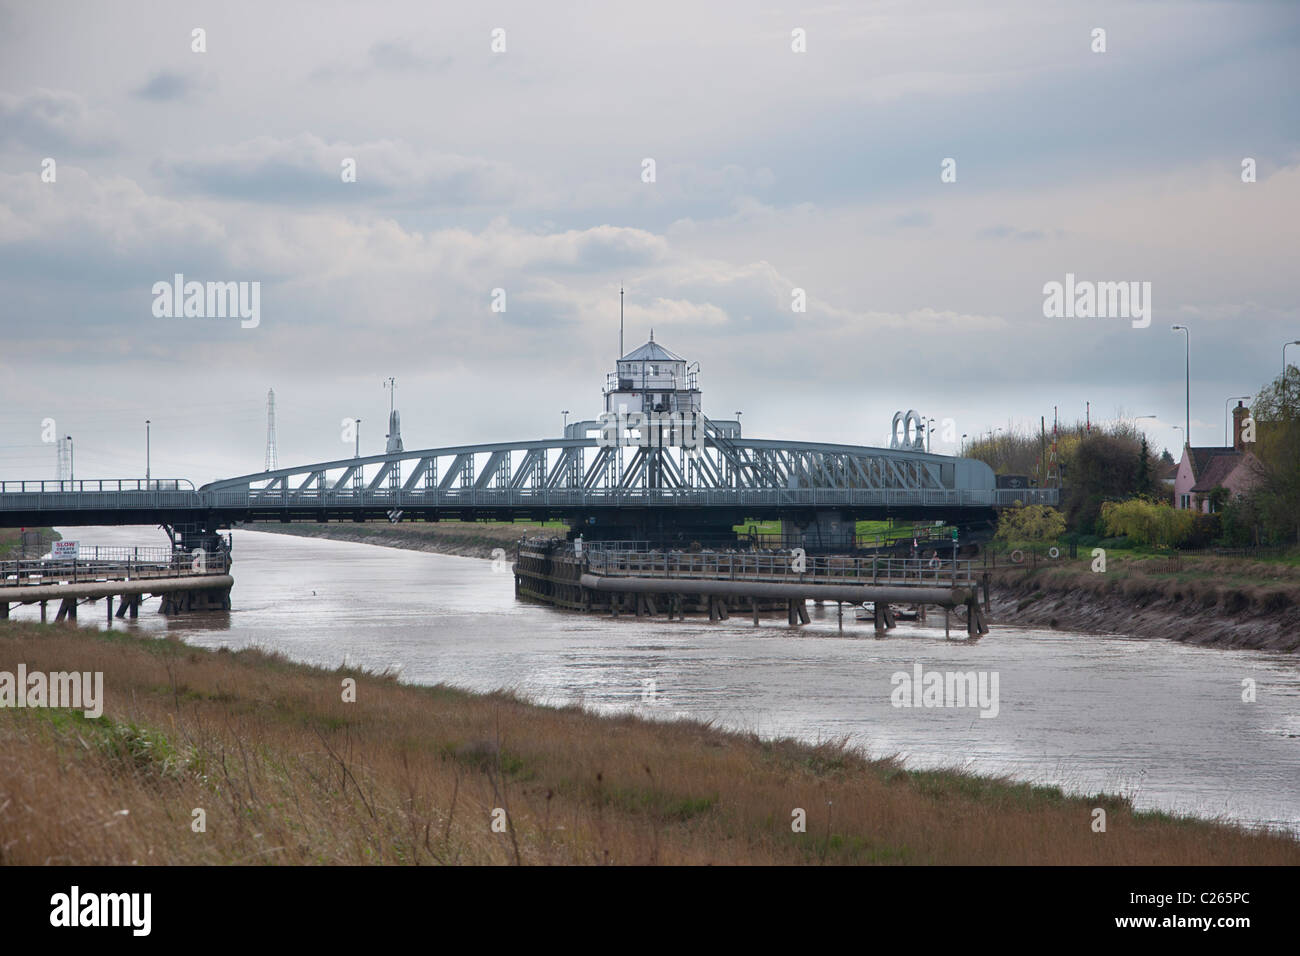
(652, 351)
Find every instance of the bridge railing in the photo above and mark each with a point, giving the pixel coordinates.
(128, 493)
(617, 497)
(96, 485)
(784, 568)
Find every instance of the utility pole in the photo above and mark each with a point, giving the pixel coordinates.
(146, 453)
(1187, 434)
(620, 321)
(1042, 451)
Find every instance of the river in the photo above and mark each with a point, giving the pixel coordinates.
(1161, 722)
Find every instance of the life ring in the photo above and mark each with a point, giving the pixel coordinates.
(1017, 556)
(1053, 552)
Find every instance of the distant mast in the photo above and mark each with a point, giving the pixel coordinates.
(272, 457)
(620, 321)
(394, 435)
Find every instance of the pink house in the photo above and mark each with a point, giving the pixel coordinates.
(1204, 469)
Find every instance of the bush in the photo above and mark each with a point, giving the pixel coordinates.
(1149, 523)
(1034, 523)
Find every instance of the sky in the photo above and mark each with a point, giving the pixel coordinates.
(503, 146)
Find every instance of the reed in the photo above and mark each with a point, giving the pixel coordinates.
(287, 772)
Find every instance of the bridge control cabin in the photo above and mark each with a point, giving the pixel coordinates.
(653, 379)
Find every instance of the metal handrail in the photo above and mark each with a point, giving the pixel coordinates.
(97, 485)
(23, 573)
(819, 569)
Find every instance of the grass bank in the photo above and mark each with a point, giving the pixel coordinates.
(1200, 599)
(286, 771)
(474, 539)
(11, 542)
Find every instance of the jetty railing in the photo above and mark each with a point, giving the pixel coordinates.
(783, 568)
(131, 564)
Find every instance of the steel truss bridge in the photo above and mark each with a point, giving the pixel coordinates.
(621, 492)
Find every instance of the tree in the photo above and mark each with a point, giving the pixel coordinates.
(1276, 494)
(1099, 468)
(1144, 483)
(1279, 400)
(1166, 459)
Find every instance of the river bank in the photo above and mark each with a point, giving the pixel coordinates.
(293, 764)
(1219, 602)
(469, 539)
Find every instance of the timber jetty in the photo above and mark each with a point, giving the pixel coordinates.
(633, 578)
(184, 581)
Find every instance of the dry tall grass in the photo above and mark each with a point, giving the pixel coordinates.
(286, 772)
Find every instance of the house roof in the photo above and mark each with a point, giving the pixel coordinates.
(652, 351)
(1201, 457)
(1218, 469)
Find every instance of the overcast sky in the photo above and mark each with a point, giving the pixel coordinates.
(523, 170)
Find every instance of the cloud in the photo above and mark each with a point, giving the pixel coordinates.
(167, 85)
(53, 120)
(305, 168)
(391, 57)
(1011, 232)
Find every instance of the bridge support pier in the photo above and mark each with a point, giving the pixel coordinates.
(976, 626)
(884, 617)
(4, 610)
(43, 612)
(797, 613)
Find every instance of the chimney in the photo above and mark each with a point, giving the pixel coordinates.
(1239, 415)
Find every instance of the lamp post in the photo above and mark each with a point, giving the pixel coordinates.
(147, 453)
(357, 435)
(72, 464)
(928, 429)
(963, 445)
(1187, 434)
(1226, 404)
(565, 413)
(1284, 347)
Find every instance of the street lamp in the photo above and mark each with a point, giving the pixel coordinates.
(1235, 398)
(357, 435)
(72, 463)
(1187, 434)
(565, 413)
(147, 450)
(928, 429)
(963, 445)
